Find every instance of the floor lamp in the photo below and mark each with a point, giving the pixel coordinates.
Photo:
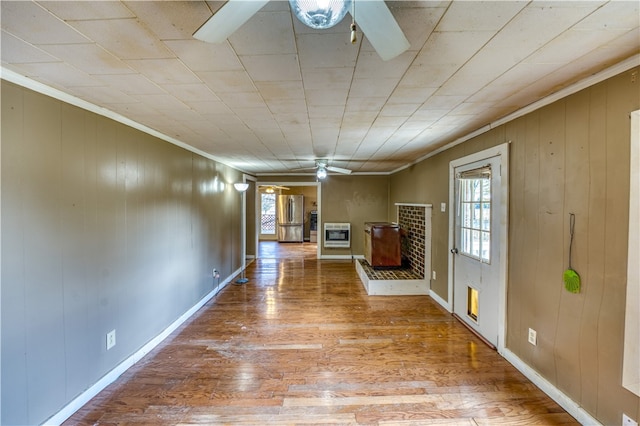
(242, 187)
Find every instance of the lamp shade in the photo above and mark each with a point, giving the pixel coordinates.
(241, 186)
(320, 14)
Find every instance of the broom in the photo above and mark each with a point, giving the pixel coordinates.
(571, 277)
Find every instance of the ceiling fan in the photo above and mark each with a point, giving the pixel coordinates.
(373, 16)
(322, 167)
(271, 188)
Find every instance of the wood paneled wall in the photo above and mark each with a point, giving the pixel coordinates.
(103, 227)
(569, 157)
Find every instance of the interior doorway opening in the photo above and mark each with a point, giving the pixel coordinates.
(268, 221)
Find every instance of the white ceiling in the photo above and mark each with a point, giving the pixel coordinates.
(277, 95)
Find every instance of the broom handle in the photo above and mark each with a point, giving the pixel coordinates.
(572, 223)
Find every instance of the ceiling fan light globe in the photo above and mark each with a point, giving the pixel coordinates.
(320, 14)
(321, 173)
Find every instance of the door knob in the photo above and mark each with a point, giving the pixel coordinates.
(454, 250)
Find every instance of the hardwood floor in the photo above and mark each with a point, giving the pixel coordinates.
(302, 343)
(276, 250)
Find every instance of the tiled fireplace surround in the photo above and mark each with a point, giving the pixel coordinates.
(415, 220)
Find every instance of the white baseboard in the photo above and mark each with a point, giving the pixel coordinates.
(440, 301)
(554, 393)
(67, 411)
(392, 287)
(340, 256)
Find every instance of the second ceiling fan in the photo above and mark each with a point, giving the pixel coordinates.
(373, 17)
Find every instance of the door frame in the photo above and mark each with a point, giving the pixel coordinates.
(502, 152)
(284, 183)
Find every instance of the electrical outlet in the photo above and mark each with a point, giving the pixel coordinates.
(433, 275)
(111, 339)
(216, 274)
(533, 337)
(627, 421)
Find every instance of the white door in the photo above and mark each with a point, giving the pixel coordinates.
(476, 251)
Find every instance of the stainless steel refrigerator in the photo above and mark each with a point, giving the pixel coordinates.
(290, 211)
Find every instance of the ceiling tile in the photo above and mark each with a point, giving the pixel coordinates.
(279, 90)
(417, 23)
(125, 38)
(90, 58)
(479, 15)
(242, 99)
(326, 97)
(164, 71)
(428, 76)
(372, 87)
(284, 107)
(267, 33)
(171, 20)
(59, 73)
(469, 63)
(131, 84)
(327, 78)
(414, 95)
(33, 24)
(272, 67)
(209, 107)
(325, 112)
(227, 81)
(79, 10)
(197, 92)
(325, 50)
(16, 51)
(360, 104)
(452, 47)
(201, 56)
(398, 110)
(556, 51)
(371, 66)
(612, 15)
(107, 94)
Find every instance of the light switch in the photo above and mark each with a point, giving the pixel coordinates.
(443, 207)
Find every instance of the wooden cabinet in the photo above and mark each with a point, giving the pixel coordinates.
(382, 244)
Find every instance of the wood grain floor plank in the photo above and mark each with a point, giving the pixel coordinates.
(302, 343)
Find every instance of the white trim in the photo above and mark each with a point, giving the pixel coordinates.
(392, 287)
(415, 205)
(440, 301)
(572, 407)
(612, 71)
(77, 403)
(341, 256)
(318, 186)
(313, 175)
(618, 68)
(501, 151)
(631, 360)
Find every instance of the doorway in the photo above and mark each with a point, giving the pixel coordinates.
(266, 216)
(478, 241)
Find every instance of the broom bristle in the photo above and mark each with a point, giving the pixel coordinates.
(572, 281)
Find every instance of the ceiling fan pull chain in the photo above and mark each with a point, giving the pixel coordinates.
(353, 23)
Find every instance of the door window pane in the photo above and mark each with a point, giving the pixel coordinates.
(268, 214)
(475, 217)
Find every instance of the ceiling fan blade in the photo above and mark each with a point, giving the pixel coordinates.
(380, 27)
(338, 170)
(227, 20)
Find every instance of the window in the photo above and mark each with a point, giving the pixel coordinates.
(268, 214)
(475, 214)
